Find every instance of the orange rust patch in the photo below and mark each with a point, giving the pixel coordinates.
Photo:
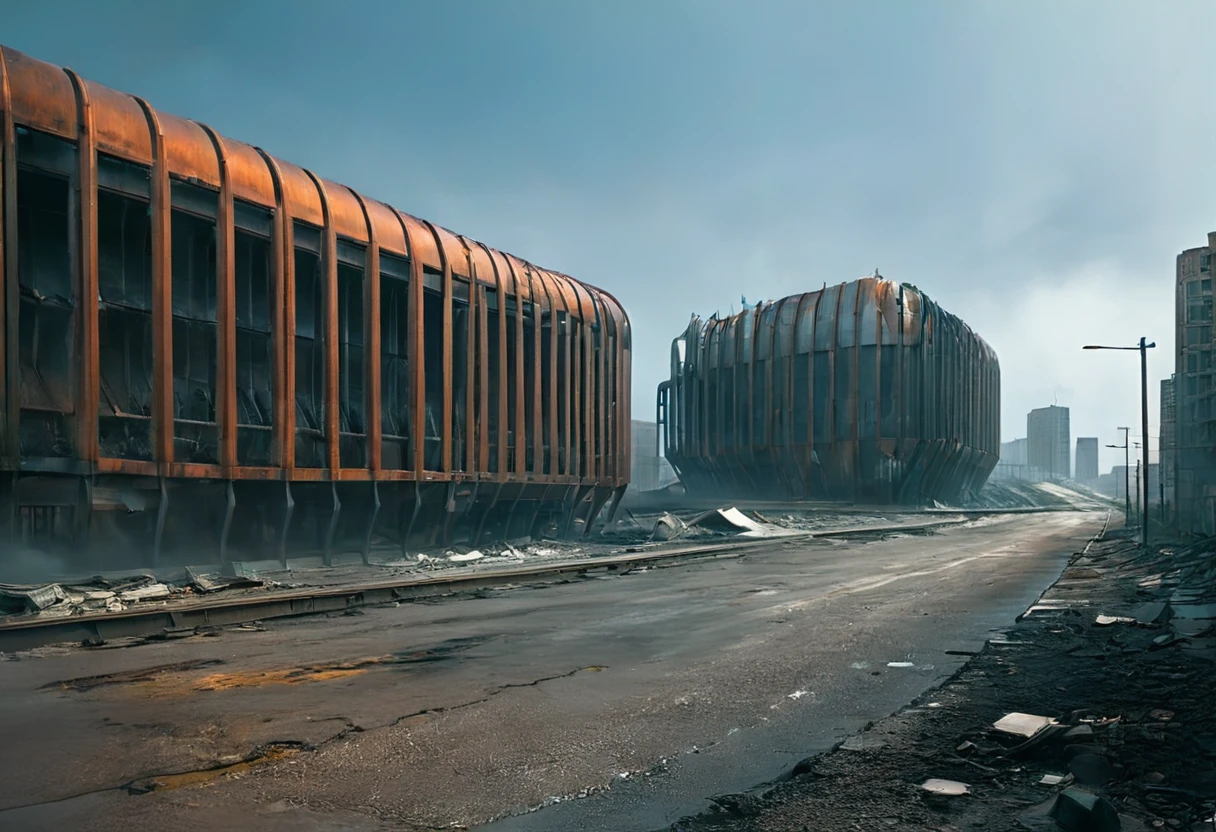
(166, 782)
(286, 676)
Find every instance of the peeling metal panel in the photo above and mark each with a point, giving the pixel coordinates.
(846, 356)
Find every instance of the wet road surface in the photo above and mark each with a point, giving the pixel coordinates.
(617, 702)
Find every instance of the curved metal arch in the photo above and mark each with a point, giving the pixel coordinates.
(225, 278)
(372, 402)
(329, 262)
(162, 296)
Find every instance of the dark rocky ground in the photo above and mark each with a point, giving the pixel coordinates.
(1141, 694)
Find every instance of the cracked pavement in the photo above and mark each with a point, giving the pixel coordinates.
(645, 693)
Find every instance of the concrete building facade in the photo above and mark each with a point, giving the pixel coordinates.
(1166, 451)
(1194, 435)
(1048, 445)
(1087, 459)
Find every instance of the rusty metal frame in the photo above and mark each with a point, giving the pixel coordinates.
(225, 278)
(162, 296)
(587, 396)
(10, 317)
(473, 393)
(520, 408)
(446, 326)
(372, 400)
(86, 327)
(329, 264)
(416, 356)
(283, 328)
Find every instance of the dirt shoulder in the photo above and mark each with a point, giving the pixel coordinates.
(1133, 701)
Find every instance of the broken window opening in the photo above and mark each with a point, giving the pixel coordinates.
(513, 379)
(491, 353)
(460, 366)
(530, 388)
(254, 344)
(309, 353)
(124, 266)
(546, 386)
(433, 337)
(46, 313)
(193, 291)
(352, 406)
(563, 414)
(396, 452)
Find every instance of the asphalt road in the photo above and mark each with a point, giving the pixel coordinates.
(620, 702)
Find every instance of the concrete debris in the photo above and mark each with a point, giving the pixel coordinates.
(150, 592)
(668, 527)
(1022, 725)
(1055, 779)
(1079, 810)
(466, 557)
(17, 598)
(948, 788)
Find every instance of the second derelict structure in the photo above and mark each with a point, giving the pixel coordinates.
(865, 392)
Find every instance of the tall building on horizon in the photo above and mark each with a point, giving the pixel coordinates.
(1047, 441)
(1194, 434)
(1087, 458)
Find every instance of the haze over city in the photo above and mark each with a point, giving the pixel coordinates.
(1033, 166)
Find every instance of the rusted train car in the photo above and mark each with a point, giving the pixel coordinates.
(210, 348)
(863, 392)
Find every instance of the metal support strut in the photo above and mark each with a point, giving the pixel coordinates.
(371, 524)
(333, 525)
(289, 509)
(230, 509)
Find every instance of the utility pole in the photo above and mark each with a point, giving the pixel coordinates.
(1144, 346)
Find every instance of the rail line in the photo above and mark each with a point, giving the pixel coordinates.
(95, 629)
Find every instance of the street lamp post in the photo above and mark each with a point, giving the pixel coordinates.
(1143, 347)
(1127, 477)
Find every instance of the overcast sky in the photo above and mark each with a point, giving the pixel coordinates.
(1035, 167)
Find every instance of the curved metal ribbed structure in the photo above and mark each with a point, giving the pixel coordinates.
(180, 308)
(865, 392)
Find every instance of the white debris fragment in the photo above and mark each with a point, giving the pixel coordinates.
(1022, 725)
(151, 592)
(900, 664)
(798, 694)
(467, 556)
(1107, 620)
(952, 788)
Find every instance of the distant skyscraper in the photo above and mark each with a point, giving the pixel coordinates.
(1047, 441)
(1087, 458)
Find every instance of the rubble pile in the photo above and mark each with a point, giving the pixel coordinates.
(100, 594)
(1096, 711)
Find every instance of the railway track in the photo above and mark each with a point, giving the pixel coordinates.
(186, 618)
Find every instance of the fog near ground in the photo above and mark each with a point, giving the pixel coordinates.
(1035, 167)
